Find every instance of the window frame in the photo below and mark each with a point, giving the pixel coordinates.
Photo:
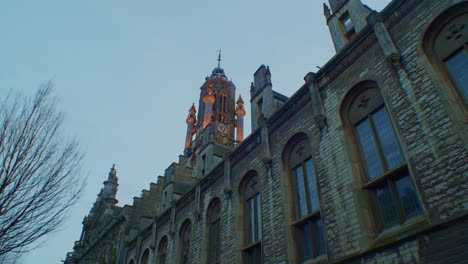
(214, 217)
(250, 191)
(294, 161)
(162, 250)
(389, 176)
(145, 256)
(438, 57)
(184, 241)
(350, 32)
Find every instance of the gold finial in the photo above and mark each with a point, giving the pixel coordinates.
(219, 58)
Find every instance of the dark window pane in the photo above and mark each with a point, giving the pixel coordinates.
(253, 255)
(387, 138)
(457, 66)
(320, 240)
(251, 217)
(312, 184)
(301, 193)
(407, 195)
(258, 226)
(348, 25)
(369, 149)
(305, 235)
(386, 206)
(214, 235)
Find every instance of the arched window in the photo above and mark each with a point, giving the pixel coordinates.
(214, 227)
(145, 257)
(162, 250)
(131, 262)
(446, 44)
(185, 242)
(252, 253)
(308, 227)
(386, 177)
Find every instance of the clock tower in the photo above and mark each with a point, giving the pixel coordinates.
(218, 127)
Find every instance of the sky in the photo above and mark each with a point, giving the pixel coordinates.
(126, 73)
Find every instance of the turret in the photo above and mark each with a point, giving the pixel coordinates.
(109, 191)
(345, 19)
(240, 113)
(191, 120)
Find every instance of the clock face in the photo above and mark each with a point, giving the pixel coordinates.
(222, 128)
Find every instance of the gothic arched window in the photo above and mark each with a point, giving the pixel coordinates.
(214, 229)
(446, 44)
(162, 250)
(252, 253)
(386, 174)
(308, 227)
(185, 242)
(145, 257)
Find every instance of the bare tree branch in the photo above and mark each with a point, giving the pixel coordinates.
(39, 172)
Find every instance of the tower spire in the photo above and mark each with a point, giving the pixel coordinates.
(219, 58)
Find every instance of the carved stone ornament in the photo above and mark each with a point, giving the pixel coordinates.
(363, 101)
(455, 31)
(320, 121)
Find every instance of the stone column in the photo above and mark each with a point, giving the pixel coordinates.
(317, 106)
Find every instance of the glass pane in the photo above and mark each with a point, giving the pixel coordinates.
(457, 66)
(387, 138)
(305, 235)
(259, 218)
(214, 241)
(348, 25)
(369, 149)
(407, 195)
(253, 255)
(320, 241)
(251, 217)
(312, 184)
(386, 206)
(301, 194)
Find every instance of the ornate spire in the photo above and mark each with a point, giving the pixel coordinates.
(219, 58)
(191, 116)
(113, 174)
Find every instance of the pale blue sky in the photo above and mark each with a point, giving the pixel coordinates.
(126, 73)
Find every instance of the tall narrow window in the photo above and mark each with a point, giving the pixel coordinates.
(145, 257)
(185, 242)
(446, 44)
(214, 227)
(308, 226)
(203, 165)
(162, 250)
(386, 173)
(348, 26)
(223, 105)
(252, 253)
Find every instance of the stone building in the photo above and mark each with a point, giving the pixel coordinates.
(365, 163)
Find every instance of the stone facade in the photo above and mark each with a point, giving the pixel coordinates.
(390, 54)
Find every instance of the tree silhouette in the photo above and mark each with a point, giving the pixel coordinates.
(39, 171)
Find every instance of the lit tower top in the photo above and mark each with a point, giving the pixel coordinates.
(213, 131)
